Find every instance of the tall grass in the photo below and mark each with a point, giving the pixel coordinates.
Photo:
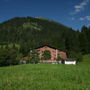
(45, 77)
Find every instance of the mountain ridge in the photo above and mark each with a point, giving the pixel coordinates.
(33, 32)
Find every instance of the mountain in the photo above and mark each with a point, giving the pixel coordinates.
(30, 32)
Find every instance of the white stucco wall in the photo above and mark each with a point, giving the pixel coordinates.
(70, 62)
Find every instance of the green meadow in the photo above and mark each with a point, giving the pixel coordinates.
(46, 76)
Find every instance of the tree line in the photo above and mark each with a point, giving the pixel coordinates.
(29, 33)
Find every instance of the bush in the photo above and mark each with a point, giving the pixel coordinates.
(74, 55)
(8, 57)
(46, 55)
(34, 56)
(59, 58)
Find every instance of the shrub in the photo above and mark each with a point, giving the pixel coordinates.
(34, 56)
(58, 58)
(46, 55)
(8, 57)
(74, 55)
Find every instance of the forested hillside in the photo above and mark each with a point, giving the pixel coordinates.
(30, 33)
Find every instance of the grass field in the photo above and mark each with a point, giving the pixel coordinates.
(46, 77)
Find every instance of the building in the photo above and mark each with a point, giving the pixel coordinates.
(73, 62)
(54, 54)
(24, 60)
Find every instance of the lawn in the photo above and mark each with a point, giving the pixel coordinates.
(45, 77)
